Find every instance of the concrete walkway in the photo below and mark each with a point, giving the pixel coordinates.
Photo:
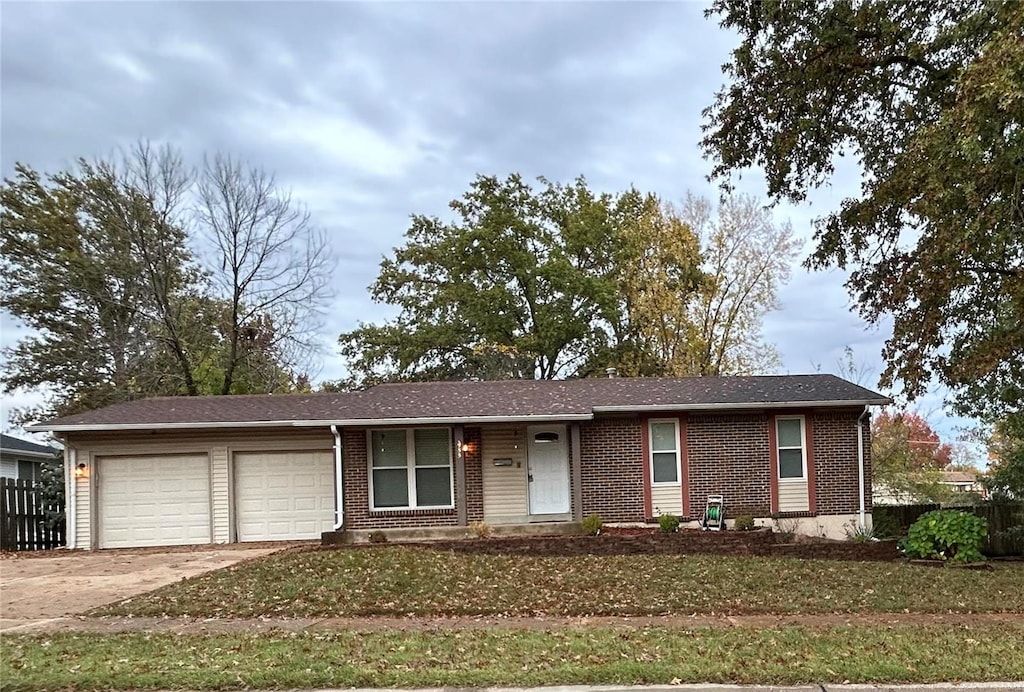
(45, 587)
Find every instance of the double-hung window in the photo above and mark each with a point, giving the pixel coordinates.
(410, 468)
(791, 448)
(664, 451)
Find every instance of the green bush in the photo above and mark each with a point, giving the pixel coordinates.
(859, 534)
(946, 534)
(592, 524)
(744, 522)
(669, 523)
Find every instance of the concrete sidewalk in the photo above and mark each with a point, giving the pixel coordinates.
(938, 687)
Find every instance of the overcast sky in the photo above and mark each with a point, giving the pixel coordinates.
(373, 112)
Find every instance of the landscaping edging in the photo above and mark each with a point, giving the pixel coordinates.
(758, 542)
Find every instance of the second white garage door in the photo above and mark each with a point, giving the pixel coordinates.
(153, 500)
(281, 496)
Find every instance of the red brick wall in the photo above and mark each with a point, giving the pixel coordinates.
(729, 456)
(357, 498)
(835, 456)
(612, 465)
(474, 474)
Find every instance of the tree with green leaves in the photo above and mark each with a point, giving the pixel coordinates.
(559, 281)
(907, 458)
(928, 97)
(98, 263)
(515, 287)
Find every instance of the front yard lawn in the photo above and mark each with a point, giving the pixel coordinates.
(275, 660)
(408, 580)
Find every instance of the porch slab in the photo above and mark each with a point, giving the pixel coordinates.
(448, 533)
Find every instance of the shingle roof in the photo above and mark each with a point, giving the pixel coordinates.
(469, 401)
(14, 444)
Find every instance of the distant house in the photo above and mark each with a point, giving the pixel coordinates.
(429, 455)
(23, 459)
(963, 482)
(957, 481)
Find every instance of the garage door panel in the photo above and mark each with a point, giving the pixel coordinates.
(153, 500)
(284, 495)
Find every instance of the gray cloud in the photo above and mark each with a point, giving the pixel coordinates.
(372, 112)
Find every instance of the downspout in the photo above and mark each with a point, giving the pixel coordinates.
(71, 489)
(339, 485)
(860, 463)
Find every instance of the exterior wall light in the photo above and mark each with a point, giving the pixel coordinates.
(80, 470)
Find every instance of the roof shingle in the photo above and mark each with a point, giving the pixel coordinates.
(467, 401)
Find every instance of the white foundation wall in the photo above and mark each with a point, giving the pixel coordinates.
(832, 526)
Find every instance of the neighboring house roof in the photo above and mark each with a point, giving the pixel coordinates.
(498, 400)
(959, 477)
(23, 448)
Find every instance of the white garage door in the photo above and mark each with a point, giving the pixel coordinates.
(283, 496)
(153, 500)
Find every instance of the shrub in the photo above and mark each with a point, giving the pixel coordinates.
(378, 537)
(592, 524)
(480, 529)
(786, 527)
(669, 523)
(946, 534)
(859, 534)
(744, 522)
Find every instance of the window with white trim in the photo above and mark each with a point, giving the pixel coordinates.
(664, 451)
(790, 438)
(410, 468)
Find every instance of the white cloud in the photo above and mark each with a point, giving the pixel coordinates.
(127, 65)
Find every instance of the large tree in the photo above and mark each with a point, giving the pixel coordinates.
(747, 257)
(556, 280)
(928, 97)
(98, 263)
(514, 287)
(907, 457)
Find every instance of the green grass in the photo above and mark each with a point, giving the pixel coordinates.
(397, 580)
(275, 660)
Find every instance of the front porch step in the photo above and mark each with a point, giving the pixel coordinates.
(447, 533)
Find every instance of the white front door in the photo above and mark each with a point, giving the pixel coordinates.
(548, 461)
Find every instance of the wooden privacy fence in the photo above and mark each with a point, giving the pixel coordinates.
(23, 517)
(1000, 517)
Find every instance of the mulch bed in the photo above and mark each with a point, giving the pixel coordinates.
(760, 542)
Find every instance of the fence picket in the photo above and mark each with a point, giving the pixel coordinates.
(23, 518)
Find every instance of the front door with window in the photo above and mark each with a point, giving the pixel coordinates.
(548, 461)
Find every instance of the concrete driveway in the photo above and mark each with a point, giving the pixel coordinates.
(34, 588)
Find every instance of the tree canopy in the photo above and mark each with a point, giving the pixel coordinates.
(99, 261)
(907, 457)
(560, 281)
(928, 97)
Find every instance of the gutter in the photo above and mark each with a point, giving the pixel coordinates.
(862, 520)
(438, 420)
(339, 485)
(755, 405)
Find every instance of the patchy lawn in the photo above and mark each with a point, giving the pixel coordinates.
(405, 580)
(274, 660)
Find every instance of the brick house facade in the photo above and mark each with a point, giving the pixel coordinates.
(512, 452)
